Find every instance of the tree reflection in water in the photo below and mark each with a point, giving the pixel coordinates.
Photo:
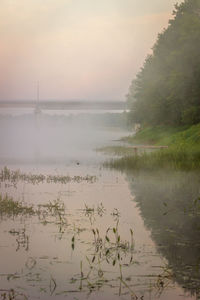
(170, 206)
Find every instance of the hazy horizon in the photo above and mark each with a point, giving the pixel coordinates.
(76, 49)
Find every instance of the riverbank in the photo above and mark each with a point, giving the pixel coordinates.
(183, 150)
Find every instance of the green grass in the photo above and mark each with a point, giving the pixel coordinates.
(167, 158)
(160, 135)
(183, 152)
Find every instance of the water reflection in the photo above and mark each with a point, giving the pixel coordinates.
(65, 233)
(51, 249)
(104, 255)
(170, 206)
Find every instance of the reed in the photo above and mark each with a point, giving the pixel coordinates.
(177, 158)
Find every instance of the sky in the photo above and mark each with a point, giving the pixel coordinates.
(76, 49)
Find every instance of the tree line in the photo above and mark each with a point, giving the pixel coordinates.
(166, 91)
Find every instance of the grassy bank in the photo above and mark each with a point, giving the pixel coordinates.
(183, 151)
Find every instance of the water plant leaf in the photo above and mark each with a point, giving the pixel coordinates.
(52, 285)
(100, 273)
(107, 239)
(107, 252)
(107, 230)
(30, 263)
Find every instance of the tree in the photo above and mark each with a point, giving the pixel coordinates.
(167, 88)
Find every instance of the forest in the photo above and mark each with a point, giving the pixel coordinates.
(166, 91)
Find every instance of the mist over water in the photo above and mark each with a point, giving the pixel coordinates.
(67, 139)
(70, 227)
(76, 223)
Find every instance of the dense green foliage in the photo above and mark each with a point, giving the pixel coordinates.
(167, 88)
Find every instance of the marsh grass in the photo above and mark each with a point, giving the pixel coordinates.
(106, 257)
(11, 295)
(178, 158)
(10, 207)
(52, 212)
(164, 280)
(104, 247)
(7, 175)
(183, 150)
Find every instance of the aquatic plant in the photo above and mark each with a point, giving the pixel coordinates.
(22, 238)
(183, 152)
(164, 280)
(105, 248)
(180, 158)
(11, 294)
(7, 175)
(107, 254)
(10, 207)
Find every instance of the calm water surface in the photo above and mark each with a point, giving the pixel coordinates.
(118, 236)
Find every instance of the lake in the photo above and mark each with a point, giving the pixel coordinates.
(80, 231)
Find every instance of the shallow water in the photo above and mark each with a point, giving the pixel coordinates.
(121, 236)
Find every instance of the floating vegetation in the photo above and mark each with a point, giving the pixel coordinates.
(101, 209)
(11, 295)
(55, 208)
(52, 285)
(106, 249)
(22, 239)
(164, 280)
(30, 263)
(104, 262)
(173, 158)
(91, 211)
(7, 175)
(10, 207)
(53, 212)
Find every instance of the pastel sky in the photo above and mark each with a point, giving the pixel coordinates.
(76, 49)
